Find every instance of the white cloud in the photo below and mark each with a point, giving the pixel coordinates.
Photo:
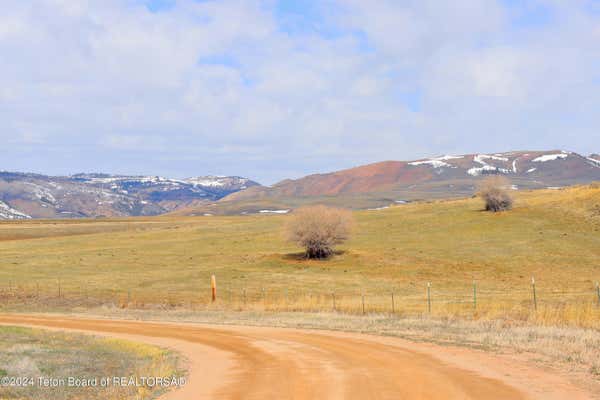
(365, 81)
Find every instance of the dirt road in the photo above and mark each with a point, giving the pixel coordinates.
(231, 362)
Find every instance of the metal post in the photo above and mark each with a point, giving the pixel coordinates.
(474, 295)
(429, 297)
(534, 294)
(363, 303)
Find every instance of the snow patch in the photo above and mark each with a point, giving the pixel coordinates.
(274, 211)
(6, 212)
(480, 157)
(437, 162)
(433, 163)
(550, 157)
(476, 171)
(378, 208)
(594, 161)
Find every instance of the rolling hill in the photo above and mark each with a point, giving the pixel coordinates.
(384, 183)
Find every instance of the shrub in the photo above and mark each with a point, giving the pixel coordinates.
(318, 229)
(494, 190)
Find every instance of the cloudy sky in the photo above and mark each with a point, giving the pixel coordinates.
(277, 89)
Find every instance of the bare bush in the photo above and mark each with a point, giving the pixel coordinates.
(494, 190)
(318, 229)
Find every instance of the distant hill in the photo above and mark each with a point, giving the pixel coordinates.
(384, 183)
(24, 195)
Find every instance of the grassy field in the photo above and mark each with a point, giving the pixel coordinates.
(34, 353)
(553, 235)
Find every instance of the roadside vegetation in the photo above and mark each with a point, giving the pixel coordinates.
(35, 353)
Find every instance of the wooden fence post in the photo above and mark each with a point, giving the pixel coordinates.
(393, 305)
(598, 292)
(59, 288)
(213, 288)
(429, 297)
(534, 293)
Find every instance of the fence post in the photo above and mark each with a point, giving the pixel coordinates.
(429, 297)
(213, 288)
(598, 292)
(59, 288)
(393, 306)
(333, 298)
(264, 296)
(534, 294)
(474, 295)
(244, 296)
(363, 302)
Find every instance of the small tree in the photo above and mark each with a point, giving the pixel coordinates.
(494, 190)
(318, 229)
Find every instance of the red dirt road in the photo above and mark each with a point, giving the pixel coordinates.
(232, 362)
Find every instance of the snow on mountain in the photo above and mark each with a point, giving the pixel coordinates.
(96, 195)
(594, 161)
(6, 212)
(433, 163)
(550, 157)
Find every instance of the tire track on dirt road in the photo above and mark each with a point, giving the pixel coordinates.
(237, 362)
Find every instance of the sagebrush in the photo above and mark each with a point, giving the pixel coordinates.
(318, 229)
(494, 191)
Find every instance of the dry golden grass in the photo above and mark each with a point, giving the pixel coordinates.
(553, 235)
(35, 353)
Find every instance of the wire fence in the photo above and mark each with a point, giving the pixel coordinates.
(578, 307)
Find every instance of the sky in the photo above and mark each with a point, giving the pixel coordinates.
(280, 89)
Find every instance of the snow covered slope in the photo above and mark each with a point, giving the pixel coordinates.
(25, 195)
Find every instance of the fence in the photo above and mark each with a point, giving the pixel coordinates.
(530, 301)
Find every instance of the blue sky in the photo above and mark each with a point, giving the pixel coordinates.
(278, 89)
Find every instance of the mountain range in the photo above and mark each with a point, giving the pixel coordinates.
(384, 183)
(26, 195)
